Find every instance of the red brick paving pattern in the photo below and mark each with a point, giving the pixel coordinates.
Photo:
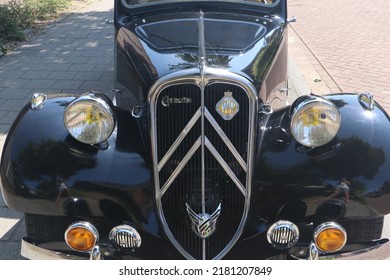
(351, 39)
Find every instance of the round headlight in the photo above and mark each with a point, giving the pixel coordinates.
(90, 119)
(315, 121)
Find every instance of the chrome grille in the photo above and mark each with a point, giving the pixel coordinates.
(202, 160)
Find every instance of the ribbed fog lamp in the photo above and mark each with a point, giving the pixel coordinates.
(315, 121)
(125, 237)
(330, 237)
(90, 118)
(81, 236)
(283, 235)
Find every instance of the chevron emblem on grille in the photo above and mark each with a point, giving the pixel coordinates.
(203, 224)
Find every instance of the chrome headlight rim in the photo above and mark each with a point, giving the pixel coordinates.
(104, 104)
(310, 101)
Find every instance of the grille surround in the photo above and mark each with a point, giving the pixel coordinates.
(205, 118)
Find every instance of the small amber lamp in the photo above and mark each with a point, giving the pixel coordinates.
(81, 236)
(330, 237)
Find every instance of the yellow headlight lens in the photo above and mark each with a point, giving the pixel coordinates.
(315, 121)
(81, 236)
(89, 119)
(330, 237)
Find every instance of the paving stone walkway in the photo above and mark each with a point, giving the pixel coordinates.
(349, 41)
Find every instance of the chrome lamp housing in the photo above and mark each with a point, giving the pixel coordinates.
(90, 118)
(315, 121)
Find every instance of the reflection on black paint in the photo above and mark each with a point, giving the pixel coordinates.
(49, 162)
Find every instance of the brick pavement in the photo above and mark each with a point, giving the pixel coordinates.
(349, 40)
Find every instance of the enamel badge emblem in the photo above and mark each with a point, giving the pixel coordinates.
(227, 107)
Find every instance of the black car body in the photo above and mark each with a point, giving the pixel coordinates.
(197, 154)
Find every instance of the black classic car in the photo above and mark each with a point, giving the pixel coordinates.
(197, 154)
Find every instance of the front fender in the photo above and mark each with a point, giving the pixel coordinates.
(299, 183)
(45, 171)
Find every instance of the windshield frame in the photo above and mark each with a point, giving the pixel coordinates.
(253, 4)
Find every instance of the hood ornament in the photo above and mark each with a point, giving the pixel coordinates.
(203, 224)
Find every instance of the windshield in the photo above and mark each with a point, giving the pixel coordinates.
(133, 3)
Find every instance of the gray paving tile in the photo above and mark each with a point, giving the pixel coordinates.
(69, 53)
(82, 67)
(39, 84)
(10, 250)
(9, 213)
(32, 67)
(100, 60)
(12, 105)
(75, 59)
(62, 75)
(4, 128)
(73, 91)
(67, 84)
(98, 85)
(15, 93)
(10, 117)
(39, 74)
(104, 68)
(108, 76)
(2, 202)
(94, 53)
(10, 74)
(13, 83)
(88, 76)
(56, 66)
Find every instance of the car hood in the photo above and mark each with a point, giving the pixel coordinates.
(163, 44)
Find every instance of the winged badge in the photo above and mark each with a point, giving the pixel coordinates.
(203, 224)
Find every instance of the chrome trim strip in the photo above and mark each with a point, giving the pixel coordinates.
(202, 67)
(180, 167)
(225, 166)
(33, 252)
(178, 141)
(203, 159)
(379, 251)
(226, 140)
(202, 45)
